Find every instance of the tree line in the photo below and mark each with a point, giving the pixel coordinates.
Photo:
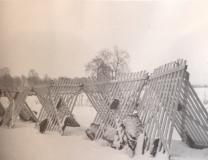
(107, 64)
(17, 82)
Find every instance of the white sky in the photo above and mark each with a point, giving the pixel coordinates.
(59, 37)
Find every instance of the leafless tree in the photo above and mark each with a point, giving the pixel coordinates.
(5, 78)
(6, 81)
(33, 78)
(108, 63)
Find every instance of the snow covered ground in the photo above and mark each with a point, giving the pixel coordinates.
(203, 95)
(25, 142)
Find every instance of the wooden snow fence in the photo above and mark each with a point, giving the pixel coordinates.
(26, 114)
(114, 99)
(58, 100)
(17, 104)
(169, 102)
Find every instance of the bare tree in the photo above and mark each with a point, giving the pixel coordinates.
(119, 62)
(17, 82)
(33, 73)
(24, 81)
(33, 78)
(108, 63)
(6, 79)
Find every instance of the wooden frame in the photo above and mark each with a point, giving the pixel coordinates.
(169, 101)
(167, 89)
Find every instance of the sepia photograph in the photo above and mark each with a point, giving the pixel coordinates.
(103, 80)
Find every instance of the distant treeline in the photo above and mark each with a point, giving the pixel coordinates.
(16, 82)
(200, 86)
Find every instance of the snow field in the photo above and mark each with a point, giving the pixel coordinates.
(25, 142)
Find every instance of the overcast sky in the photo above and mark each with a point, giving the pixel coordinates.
(59, 37)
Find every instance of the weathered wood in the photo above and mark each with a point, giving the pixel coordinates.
(169, 101)
(125, 93)
(168, 86)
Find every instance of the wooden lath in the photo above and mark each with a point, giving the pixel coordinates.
(64, 90)
(193, 118)
(160, 101)
(67, 91)
(29, 111)
(48, 109)
(17, 103)
(7, 118)
(170, 102)
(126, 88)
(6, 90)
